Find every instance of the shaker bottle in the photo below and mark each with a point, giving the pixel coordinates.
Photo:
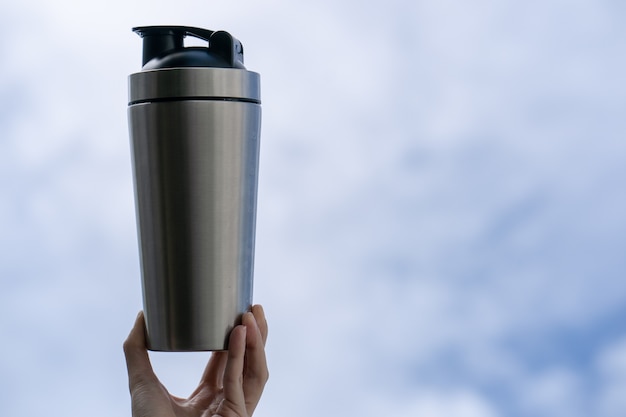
(194, 121)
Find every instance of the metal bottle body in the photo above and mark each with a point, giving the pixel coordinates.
(195, 148)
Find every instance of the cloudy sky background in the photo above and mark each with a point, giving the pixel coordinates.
(442, 205)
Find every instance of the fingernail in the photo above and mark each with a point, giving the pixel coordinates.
(251, 318)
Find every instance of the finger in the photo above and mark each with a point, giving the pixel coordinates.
(259, 315)
(256, 373)
(137, 359)
(214, 371)
(255, 351)
(233, 373)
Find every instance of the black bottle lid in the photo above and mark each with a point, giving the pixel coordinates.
(163, 48)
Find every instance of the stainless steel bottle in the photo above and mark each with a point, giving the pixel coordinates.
(194, 119)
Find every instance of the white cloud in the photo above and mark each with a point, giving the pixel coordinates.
(611, 366)
(612, 361)
(556, 392)
(438, 182)
(436, 404)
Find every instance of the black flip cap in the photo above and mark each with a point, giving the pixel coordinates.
(163, 47)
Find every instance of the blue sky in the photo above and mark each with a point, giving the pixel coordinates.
(442, 210)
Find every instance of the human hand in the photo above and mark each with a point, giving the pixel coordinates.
(231, 385)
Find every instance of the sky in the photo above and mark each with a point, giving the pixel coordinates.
(441, 227)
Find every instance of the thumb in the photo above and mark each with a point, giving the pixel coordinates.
(136, 353)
